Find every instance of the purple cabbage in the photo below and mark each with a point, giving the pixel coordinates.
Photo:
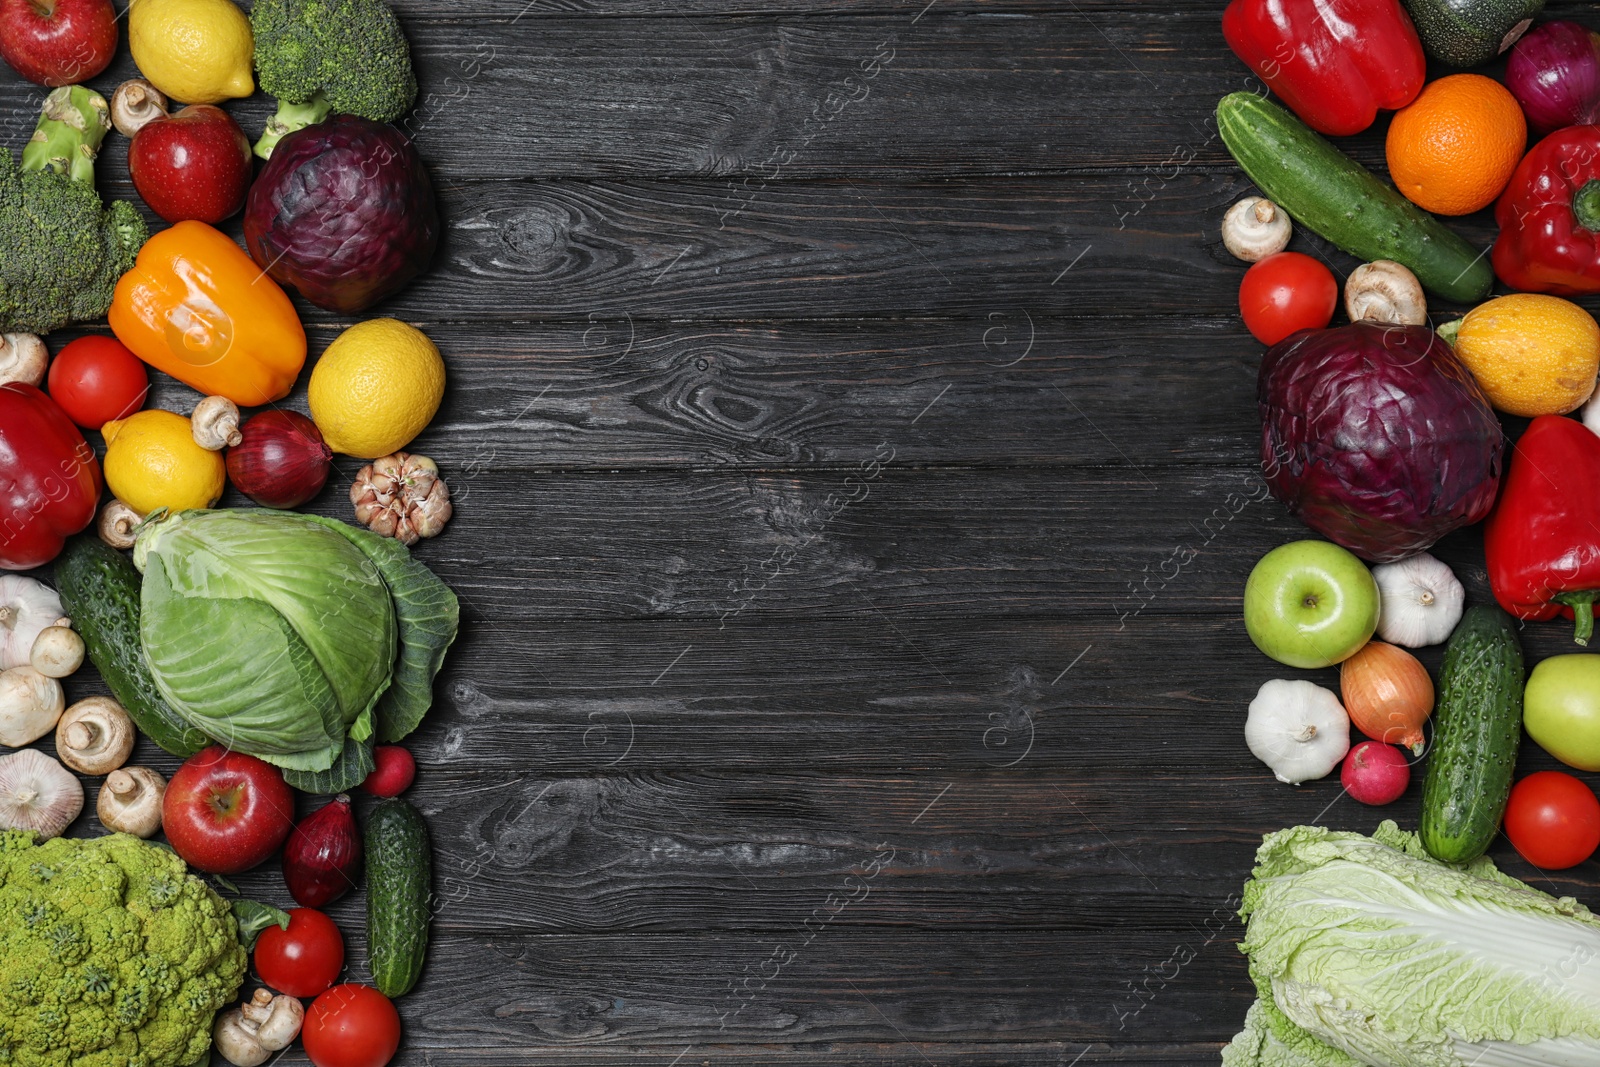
(1377, 437)
(1554, 72)
(343, 212)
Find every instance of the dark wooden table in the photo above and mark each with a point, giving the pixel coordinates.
(854, 446)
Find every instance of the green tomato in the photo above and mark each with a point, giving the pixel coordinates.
(1561, 708)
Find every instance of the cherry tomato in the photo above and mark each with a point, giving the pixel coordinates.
(96, 379)
(304, 960)
(1553, 820)
(1285, 292)
(351, 1026)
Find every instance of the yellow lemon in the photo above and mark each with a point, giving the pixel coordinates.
(195, 51)
(375, 388)
(152, 462)
(1532, 354)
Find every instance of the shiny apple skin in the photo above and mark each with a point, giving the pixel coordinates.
(58, 42)
(226, 812)
(193, 164)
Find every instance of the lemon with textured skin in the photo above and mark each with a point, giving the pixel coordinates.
(1532, 354)
(152, 462)
(375, 388)
(195, 51)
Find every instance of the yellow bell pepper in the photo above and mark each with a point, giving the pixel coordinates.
(196, 306)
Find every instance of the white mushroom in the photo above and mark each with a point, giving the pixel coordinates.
(26, 608)
(95, 736)
(23, 358)
(136, 103)
(38, 794)
(130, 801)
(57, 652)
(215, 423)
(1385, 291)
(116, 524)
(1255, 228)
(260, 1026)
(30, 706)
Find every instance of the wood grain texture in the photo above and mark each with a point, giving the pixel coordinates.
(853, 440)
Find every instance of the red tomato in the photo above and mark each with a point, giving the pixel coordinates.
(96, 379)
(1553, 820)
(351, 1026)
(304, 960)
(1285, 292)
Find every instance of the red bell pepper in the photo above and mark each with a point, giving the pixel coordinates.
(1542, 541)
(1549, 217)
(1333, 62)
(49, 478)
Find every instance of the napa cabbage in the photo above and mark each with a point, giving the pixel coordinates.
(1365, 950)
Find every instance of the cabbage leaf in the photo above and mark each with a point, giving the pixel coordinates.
(292, 637)
(1381, 955)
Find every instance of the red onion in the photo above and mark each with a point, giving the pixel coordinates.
(282, 461)
(323, 856)
(1554, 72)
(1375, 773)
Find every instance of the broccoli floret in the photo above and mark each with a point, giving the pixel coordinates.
(64, 249)
(119, 957)
(323, 57)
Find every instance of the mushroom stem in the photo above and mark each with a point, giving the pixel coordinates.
(1255, 228)
(117, 523)
(1385, 291)
(95, 736)
(130, 801)
(135, 104)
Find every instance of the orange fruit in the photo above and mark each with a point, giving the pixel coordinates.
(1452, 149)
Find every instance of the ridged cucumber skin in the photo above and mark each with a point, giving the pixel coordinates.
(1332, 195)
(1477, 727)
(399, 881)
(1465, 33)
(99, 588)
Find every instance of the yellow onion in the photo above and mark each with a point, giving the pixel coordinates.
(1388, 694)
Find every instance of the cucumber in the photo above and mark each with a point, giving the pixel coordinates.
(99, 589)
(1331, 194)
(399, 876)
(1464, 33)
(1477, 727)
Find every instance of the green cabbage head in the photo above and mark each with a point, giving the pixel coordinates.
(1365, 950)
(292, 637)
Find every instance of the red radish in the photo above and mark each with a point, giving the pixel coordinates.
(1375, 773)
(393, 774)
(282, 461)
(323, 855)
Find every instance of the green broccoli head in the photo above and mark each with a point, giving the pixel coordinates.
(65, 249)
(322, 57)
(111, 954)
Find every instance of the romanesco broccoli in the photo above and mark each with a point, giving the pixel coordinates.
(111, 954)
(326, 57)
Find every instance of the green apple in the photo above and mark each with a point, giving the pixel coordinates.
(1310, 604)
(1561, 708)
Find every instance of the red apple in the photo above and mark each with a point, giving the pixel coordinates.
(193, 164)
(226, 812)
(58, 42)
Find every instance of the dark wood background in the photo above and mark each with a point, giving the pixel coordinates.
(854, 445)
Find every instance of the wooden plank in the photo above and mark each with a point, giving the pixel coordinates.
(846, 985)
(893, 1053)
(1005, 391)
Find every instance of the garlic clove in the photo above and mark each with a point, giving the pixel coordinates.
(402, 496)
(1420, 601)
(38, 794)
(1298, 729)
(30, 706)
